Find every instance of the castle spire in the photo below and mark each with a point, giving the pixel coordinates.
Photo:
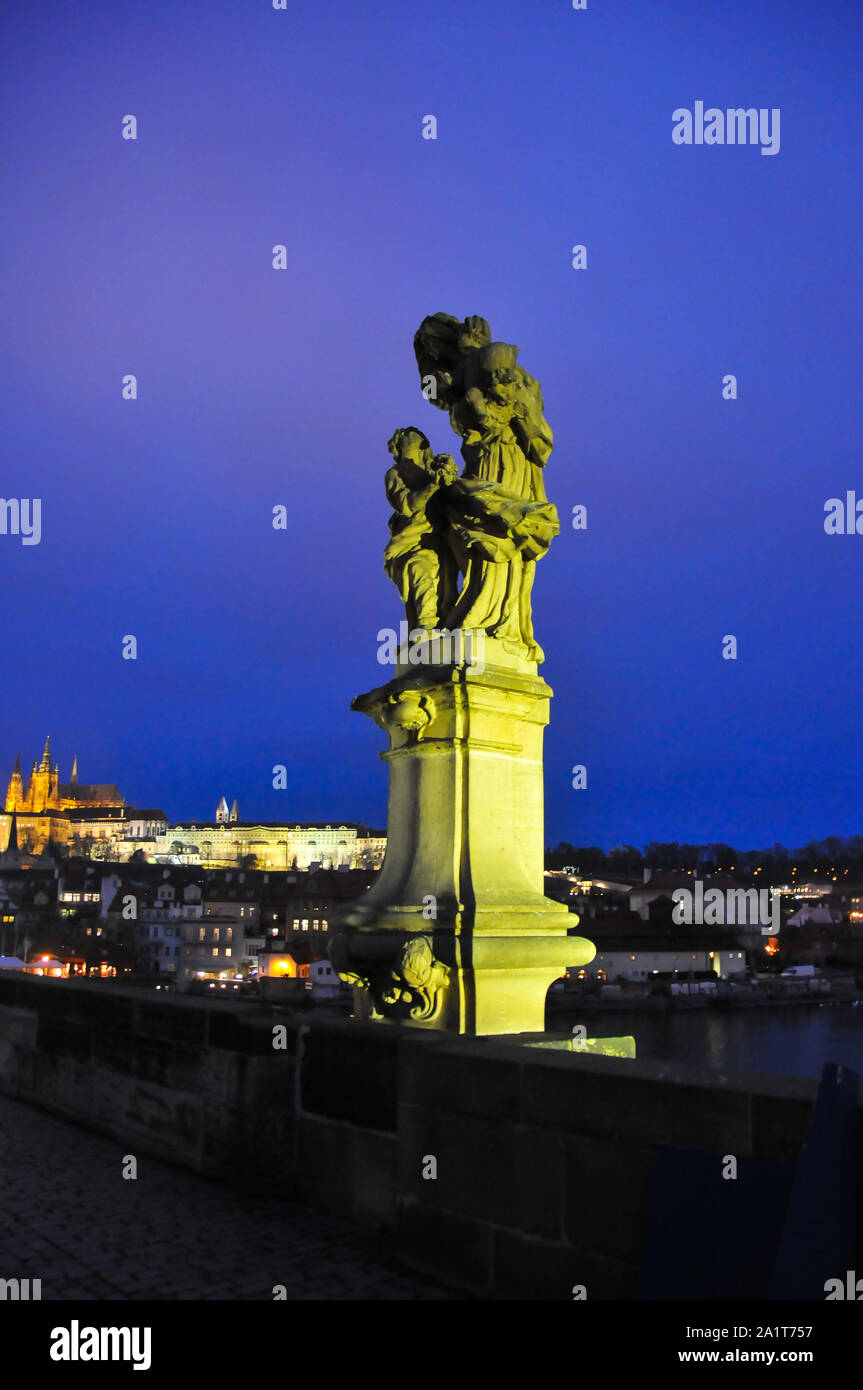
(15, 790)
(75, 771)
(42, 794)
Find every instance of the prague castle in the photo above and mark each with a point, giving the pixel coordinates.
(45, 791)
(49, 810)
(95, 820)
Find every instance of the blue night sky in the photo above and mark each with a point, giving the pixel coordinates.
(259, 387)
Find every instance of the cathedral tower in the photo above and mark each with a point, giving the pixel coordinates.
(42, 781)
(15, 793)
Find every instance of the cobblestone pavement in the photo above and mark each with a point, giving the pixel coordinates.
(67, 1217)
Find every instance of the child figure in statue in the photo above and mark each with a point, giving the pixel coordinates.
(417, 558)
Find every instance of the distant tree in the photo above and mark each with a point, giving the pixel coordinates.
(591, 862)
(812, 854)
(559, 856)
(662, 857)
(718, 858)
(854, 849)
(625, 860)
(841, 856)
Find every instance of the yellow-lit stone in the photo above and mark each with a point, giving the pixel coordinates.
(456, 933)
(463, 872)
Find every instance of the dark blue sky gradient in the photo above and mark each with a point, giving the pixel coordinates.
(260, 387)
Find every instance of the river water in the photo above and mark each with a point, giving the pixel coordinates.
(793, 1040)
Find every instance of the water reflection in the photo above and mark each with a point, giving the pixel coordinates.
(791, 1041)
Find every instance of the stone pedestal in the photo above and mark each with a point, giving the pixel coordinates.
(456, 933)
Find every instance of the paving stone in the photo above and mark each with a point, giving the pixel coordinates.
(169, 1234)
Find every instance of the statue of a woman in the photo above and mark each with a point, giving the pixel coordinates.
(499, 521)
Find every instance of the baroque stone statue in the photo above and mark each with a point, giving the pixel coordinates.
(489, 526)
(417, 558)
(456, 933)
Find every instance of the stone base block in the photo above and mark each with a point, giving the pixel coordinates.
(460, 984)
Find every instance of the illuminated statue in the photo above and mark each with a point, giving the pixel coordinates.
(494, 521)
(418, 559)
(456, 932)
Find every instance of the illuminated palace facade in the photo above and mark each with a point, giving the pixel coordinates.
(95, 820)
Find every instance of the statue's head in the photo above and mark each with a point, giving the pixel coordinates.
(498, 361)
(441, 341)
(493, 368)
(475, 333)
(436, 342)
(410, 444)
